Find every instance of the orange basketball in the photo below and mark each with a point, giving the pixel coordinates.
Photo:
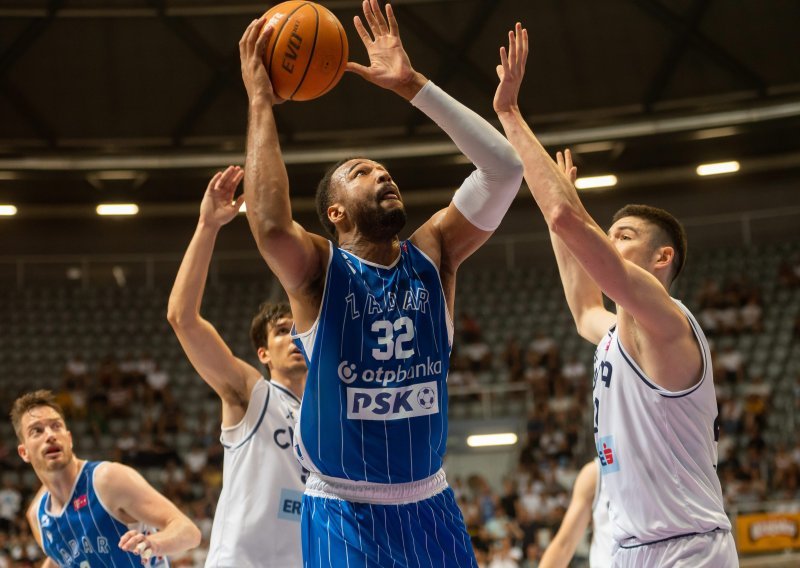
(307, 52)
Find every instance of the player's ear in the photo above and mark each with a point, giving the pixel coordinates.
(337, 214)
(23, 453)
(264, 356)
(664, 256)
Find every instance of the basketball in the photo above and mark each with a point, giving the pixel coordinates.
(307, 53)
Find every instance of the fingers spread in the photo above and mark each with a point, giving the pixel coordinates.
(362, 31)
(357, 68)
(376, 11)
(393, 28)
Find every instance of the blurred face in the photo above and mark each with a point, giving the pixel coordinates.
(46, 442)
(634, 238)
(281, 354)
(367, 195)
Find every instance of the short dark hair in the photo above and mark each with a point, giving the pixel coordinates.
(32, 400)
(268, 313)
(324, 198)
(669, 225)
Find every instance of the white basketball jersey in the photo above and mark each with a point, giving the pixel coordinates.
(602, 542)
(257, 522)
(657, 449)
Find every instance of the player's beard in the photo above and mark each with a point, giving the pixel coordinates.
(377, 224)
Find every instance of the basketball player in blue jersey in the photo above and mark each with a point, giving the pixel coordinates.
(373, 317)
(655, 408)
(589, 502)
(92, 513)
(257, 519)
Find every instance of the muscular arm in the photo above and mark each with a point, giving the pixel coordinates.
(130, 498)
(657, 319)
(230, 377)
(454, 233)
(584, 297)
(577, 518)
(294, 255)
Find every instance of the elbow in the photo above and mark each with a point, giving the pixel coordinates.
(179, 317)
(195, 536)
(563, 219)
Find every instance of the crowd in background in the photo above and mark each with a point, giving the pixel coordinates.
(510, 525)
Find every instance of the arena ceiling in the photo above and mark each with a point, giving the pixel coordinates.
(108, 100)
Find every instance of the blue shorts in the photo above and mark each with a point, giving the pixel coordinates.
(426, 533)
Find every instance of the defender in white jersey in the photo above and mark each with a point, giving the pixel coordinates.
(655, 410)
(257, 520)
(92, 513)
(589, 502)
(373, 425)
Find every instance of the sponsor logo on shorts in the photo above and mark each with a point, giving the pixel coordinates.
(393, 403)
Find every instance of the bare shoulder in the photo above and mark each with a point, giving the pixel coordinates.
(110, 478)
(428, 237)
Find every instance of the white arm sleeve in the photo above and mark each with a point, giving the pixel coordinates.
(487, 193)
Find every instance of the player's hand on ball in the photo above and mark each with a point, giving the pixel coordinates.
(218, 206)
(511, 69)
(254, 73)
(389, 65)
(139, 544)
(565, 165)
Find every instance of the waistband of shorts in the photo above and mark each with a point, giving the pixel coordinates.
(326, 487)
(634, 542)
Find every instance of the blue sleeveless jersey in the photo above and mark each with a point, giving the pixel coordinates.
(375, 403)
(85, 534)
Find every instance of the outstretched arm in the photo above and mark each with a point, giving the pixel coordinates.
(630, 286)
(457, 231)
(584, 297)
(294, 255)
(229, 376)
(128, 496)
(579, 513)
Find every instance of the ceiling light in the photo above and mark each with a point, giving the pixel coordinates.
(596, 182)
(7, 210)
(484, 440)
(717, 168)
(117, 209)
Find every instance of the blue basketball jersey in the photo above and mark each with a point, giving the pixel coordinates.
(85, 534)
(375, 403)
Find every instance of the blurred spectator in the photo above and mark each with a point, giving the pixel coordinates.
(731, 361)
(575, 371)
(505, 555)
(546, 348)
(157, 378)
(10, 504)
(513, 357)
(468, 328)
(76, 366)
(751, 315)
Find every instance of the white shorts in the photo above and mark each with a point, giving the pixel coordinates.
(710, 550)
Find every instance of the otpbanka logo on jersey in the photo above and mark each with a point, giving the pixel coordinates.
(391, 402)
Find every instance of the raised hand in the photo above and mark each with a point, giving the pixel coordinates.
(565, 165)
(218, 206)
(389, 65)
(511, 69)
(251, 54)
